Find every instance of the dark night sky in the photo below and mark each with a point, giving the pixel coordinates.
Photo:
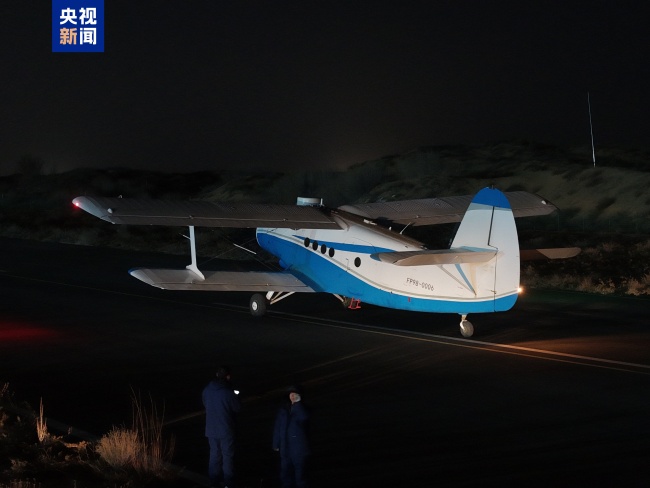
(216, 84)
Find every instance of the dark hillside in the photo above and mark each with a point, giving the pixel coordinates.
(604, 208)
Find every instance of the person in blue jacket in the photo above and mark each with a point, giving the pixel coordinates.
(221, 408)
(291, 439)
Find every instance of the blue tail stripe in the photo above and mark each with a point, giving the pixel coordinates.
(492, 197)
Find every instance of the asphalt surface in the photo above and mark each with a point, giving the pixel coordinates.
(555, 392)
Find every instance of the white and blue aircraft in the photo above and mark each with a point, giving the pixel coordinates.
(352, 251)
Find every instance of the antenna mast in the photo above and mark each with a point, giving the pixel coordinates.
(591, 129)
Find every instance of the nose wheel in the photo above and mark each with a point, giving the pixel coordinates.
(466, 327)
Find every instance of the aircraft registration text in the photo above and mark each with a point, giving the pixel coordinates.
(420, 284)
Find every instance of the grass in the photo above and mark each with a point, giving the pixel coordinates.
(31, 456)
(120, 448)
(141, 448)
(22, 484)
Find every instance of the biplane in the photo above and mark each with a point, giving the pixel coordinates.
(352, 251)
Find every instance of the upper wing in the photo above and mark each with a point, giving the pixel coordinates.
(426, 211)
(204, 214)
(430, 211)
(185, 279)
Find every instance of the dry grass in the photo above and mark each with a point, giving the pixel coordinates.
(41, 426)
(638, 287)
(142, 447)
(119, 448)
(30, 456)
(21, 484)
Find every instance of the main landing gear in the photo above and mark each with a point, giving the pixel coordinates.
(466, 327)
(259, 303)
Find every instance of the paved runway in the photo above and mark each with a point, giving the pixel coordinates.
(554, 393)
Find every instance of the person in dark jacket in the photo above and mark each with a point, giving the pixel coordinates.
(290, 438)
(221, 408)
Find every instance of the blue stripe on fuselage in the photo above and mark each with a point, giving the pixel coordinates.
(323, 274)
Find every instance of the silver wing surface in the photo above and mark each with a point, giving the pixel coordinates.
(204, 214)
(431, 211)
(460, 256)
(185, 279)
(431, 257)
(427, 211)
(555, 253)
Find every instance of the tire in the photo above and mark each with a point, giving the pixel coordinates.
(258, 305)
(466, 328)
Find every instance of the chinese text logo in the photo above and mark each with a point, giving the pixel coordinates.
(77, 25)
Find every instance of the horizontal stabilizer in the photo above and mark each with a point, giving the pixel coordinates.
(204, 214)
(185, 279)
(556, 253)
(443, 210)
(424, 258)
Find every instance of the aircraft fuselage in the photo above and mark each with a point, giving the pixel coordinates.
(343, 262)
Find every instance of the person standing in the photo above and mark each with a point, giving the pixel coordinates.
(291, 439)
(221, 408)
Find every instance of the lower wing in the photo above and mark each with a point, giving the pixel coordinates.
(555, 253)
(186, 279)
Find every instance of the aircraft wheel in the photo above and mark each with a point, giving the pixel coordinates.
(258, 305)
(466, 328)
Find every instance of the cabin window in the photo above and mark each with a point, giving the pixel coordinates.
(307, 241)
(357, 262)
(323, 249)
(314, 245)
(331, 253)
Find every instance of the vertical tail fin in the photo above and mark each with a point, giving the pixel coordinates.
(490, 224)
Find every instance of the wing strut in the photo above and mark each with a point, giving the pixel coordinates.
(275, 296)
(193, 266)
